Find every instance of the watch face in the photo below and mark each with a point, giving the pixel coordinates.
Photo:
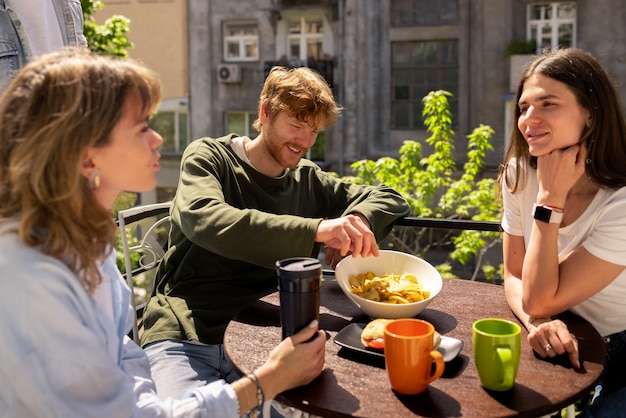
(542, 214)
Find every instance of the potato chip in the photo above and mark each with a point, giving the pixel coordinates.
(388, 288)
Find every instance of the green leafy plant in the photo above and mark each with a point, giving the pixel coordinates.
(132, 240)
(520, 47)
(127, 200)
(435, 187)
(110, 37)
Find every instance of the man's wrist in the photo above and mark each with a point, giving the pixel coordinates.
(363, 218)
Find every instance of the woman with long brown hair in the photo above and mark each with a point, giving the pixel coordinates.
(564, 203)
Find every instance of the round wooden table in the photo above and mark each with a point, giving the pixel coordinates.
(356, 384)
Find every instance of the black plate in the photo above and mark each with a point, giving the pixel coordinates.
(350, 338)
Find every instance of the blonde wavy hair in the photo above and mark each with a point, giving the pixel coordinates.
(56, 108)
(301, 93)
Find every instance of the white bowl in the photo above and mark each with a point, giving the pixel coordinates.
(389, 262)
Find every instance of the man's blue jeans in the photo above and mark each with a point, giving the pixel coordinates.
(178, 366)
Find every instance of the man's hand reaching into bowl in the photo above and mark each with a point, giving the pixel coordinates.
(350, 234)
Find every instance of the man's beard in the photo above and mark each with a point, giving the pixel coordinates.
(276, 149)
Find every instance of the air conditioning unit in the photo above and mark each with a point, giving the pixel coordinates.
(229, 73)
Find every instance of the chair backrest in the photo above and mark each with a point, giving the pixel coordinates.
(144, 232)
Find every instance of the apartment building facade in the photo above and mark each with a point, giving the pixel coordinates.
(380, 57)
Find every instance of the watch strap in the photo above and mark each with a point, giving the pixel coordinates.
(547, 214)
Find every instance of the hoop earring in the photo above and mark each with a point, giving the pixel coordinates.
(94, 179)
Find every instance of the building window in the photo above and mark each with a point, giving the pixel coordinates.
(419, 67)
(172, 123)
(241, 41)
(423, 12)
(305, 37)
(552, 24)
(240, 123)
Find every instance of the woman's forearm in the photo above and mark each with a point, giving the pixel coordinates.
(540, 272)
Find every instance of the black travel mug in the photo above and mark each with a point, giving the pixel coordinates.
(299, 281)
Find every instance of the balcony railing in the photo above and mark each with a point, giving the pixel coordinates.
(443, 224)
(449, 224)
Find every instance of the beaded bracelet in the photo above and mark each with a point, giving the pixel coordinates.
(254, 412)
(247, 398)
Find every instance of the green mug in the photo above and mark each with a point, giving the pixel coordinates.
(496, 352)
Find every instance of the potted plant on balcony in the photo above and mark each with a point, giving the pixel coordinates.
(519, 52)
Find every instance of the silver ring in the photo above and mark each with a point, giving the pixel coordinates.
(547, 348)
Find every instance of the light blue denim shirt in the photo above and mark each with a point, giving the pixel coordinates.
(14, 48)
(61, 355)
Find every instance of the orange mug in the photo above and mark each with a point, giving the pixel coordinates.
(409, 355)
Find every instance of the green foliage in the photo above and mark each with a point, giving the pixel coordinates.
(434, 187)
(110, 37)
(142, 283)
(445, 270)
(317, 150)
(490, 272)
(520, 46)
(119, 251)
(125, 200)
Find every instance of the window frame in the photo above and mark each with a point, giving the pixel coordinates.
(249, 117)
(415, 121)
(404, 12)
(554, 23)
(241, 41)
(283, 36)
(304, 37)
(178, 107)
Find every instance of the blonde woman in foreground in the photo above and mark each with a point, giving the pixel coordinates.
(73, 135)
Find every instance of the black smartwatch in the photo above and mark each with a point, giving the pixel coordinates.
(547, 214)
